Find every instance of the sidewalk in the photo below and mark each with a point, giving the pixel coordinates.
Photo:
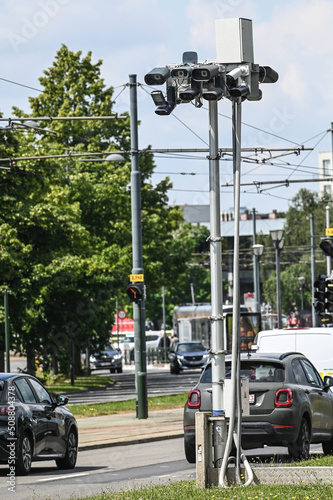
(125, 428)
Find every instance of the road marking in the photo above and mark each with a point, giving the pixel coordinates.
(63, 477)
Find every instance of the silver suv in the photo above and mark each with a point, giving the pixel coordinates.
(290, 404)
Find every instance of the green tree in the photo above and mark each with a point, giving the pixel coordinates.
(295, 258)
(72, 227)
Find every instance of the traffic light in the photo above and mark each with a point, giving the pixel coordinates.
(319, 294)
(329, 295)
(327, 246)
(135, 292)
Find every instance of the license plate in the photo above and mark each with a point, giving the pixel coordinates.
(252, 399)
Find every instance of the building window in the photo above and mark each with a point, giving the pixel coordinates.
(327, 167)
(327, 191)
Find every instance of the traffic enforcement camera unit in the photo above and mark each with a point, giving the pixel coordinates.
(234, 75)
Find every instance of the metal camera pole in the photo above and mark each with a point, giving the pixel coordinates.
(217, 340)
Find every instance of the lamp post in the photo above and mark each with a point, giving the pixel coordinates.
(278, 242)
(257, 250)
(301, 281)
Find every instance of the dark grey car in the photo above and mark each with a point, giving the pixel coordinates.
(290, 405)
(109, 357)
(188, 356)
(34, 425)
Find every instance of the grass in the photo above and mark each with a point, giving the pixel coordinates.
(59, 383)
(155, 403)
(183, 490)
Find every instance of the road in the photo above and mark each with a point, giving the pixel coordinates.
(117, 468)
(159, 382)
(111, 469)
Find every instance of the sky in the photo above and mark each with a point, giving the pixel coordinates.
(133, 37)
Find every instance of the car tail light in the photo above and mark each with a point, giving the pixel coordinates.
(194, 399)
(4, 410)
(283, 398)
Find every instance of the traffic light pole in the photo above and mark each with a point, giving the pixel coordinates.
(138, 308)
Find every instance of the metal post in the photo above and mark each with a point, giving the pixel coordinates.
(256, 282)
(278, 284)
(117, 320)
(313, 269)
(7, 339)
(217, 340)
(192, 293)
(138, 309)
(164, 327)
(328, 258)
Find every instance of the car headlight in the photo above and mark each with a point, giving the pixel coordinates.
(117, 356)
(92, 359)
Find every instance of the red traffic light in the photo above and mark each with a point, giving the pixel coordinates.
(135, 292)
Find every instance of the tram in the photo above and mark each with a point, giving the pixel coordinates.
(192, 322)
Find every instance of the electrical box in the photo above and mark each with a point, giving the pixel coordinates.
(234, 41)
(245, 397)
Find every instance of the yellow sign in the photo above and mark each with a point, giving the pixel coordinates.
(136, 277)
(329, 231)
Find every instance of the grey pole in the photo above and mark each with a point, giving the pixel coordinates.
(313, 268)
(328, 258)
(278, 283)
(255, 265)
(7, 342)
(217, 340)
(138, 309)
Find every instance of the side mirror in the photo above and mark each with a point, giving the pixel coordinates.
(328, 381)
(61, 400)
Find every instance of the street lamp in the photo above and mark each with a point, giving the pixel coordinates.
(301, 281)
(278, 242)
(257, 250)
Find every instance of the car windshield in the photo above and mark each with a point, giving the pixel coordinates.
(127, 339)
(255, 371)
(190, 347)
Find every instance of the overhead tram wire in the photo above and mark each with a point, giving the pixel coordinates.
(142, 86)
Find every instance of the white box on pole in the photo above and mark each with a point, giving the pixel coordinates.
(245, 397)
(234, 41)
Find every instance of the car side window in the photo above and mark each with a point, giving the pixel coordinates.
(25, 391)
(299, 372)
(311, 373)
(42, 394)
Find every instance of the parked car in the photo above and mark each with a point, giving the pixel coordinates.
(127, 344)
(290, 404)
(188, 356)
(109, 357)
(34, 425)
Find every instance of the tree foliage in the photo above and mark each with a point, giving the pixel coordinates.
(67, 246)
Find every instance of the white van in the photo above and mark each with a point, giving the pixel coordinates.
(315, 343)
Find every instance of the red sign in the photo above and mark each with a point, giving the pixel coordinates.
(121, 314)
(125, 325)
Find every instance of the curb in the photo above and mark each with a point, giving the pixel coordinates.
(111, 444)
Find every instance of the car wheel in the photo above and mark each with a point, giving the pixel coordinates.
(119, 370)
(112, 370)
(301, 448)
(69, 460)
(189, 452)
(24, 456)
(328, 447)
